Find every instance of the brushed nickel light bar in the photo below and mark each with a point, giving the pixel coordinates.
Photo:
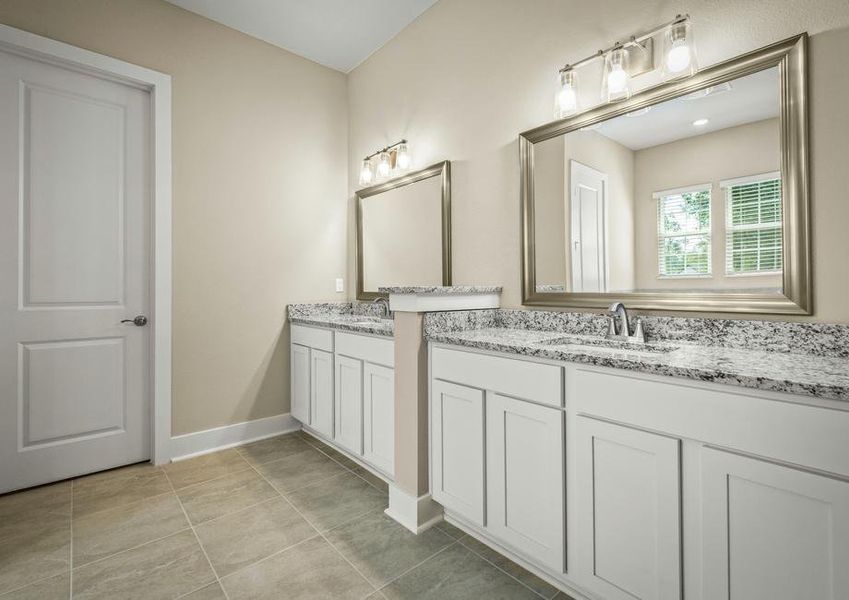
(679, 61)
(392, 157)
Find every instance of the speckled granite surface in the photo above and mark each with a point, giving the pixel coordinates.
(798, 358)
(358, 317)
(441, 290)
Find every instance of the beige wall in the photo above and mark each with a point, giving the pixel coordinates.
(259, 188)
(748, 149)
(468, 76)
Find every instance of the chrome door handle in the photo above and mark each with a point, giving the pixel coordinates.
(139, 321)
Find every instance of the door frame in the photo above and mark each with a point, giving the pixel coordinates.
(158, 85)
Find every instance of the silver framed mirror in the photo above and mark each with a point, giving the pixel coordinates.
(691, 195)
(404, 231)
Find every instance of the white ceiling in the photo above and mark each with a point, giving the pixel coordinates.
(751, 98)
(339, 34)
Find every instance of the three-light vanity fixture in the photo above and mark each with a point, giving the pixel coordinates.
(623, 60)
(391, 160)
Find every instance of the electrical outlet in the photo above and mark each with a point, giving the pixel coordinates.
(340, 285)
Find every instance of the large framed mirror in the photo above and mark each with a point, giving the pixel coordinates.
(404, 231)
(691, 195)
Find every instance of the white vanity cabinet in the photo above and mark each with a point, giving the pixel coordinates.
(619, 485)
(343, 391)
(457, 452)
(525, 477)
(772, 531)
(628, 505)
(311, 360)
(349, 403)
(497, 459)
(379, 416)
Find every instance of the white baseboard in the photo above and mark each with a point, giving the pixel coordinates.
(416, 514)
(194, 444)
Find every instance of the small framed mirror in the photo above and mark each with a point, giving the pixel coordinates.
(692, 195)
(404, 231)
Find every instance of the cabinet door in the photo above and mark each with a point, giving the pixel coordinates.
(349, 403)
(772, 532)
(321, 392)
(524, 478)
(457, 446)
(300, 383)
(629, 512)
(379, 428)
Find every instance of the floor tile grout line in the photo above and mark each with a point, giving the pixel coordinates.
(346, 467)
(211, 479)
(136, 547)
(270, 556)
(197, 538)
(417, 565)
(235, 512)
(316, 447)
(124, 506)
(482, 557)
(329, 543)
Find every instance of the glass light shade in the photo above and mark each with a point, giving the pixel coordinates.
(366, 172)
(566, 99)
(383, 166)
(402, 157)
(616, 84)
(679, 52)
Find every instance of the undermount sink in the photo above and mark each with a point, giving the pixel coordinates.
(609, 344)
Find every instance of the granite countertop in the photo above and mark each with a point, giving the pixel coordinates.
(441, 290)
(802, 374)
(345, 316)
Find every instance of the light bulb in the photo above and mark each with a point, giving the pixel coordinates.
(617, 79)
(678, 58)
(383, 166)
(616, 82)
(679, 52)
(366, 173)
(566, 101)
(402, 157)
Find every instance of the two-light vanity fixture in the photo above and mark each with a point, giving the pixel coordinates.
(624, 60)
(391, 160)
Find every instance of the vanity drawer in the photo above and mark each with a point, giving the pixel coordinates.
(376, 350)
(313, 337)
(517, 378)
(734, 418)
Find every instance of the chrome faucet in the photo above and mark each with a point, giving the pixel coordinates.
(383, 303)
(623, 331)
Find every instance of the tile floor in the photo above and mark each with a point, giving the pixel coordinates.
(287, 517)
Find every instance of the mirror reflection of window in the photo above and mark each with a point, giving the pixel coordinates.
(683, 232)
(753, 225)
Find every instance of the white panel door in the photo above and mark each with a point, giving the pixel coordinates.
(628, 512)
(589, 253)
(349, 403)
(379, 432)
(457, 447)
(299, 360)
(525, 478)
(321, 392)
(74, 262)
(772, 532)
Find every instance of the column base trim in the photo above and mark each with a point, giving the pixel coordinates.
(417, 514)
